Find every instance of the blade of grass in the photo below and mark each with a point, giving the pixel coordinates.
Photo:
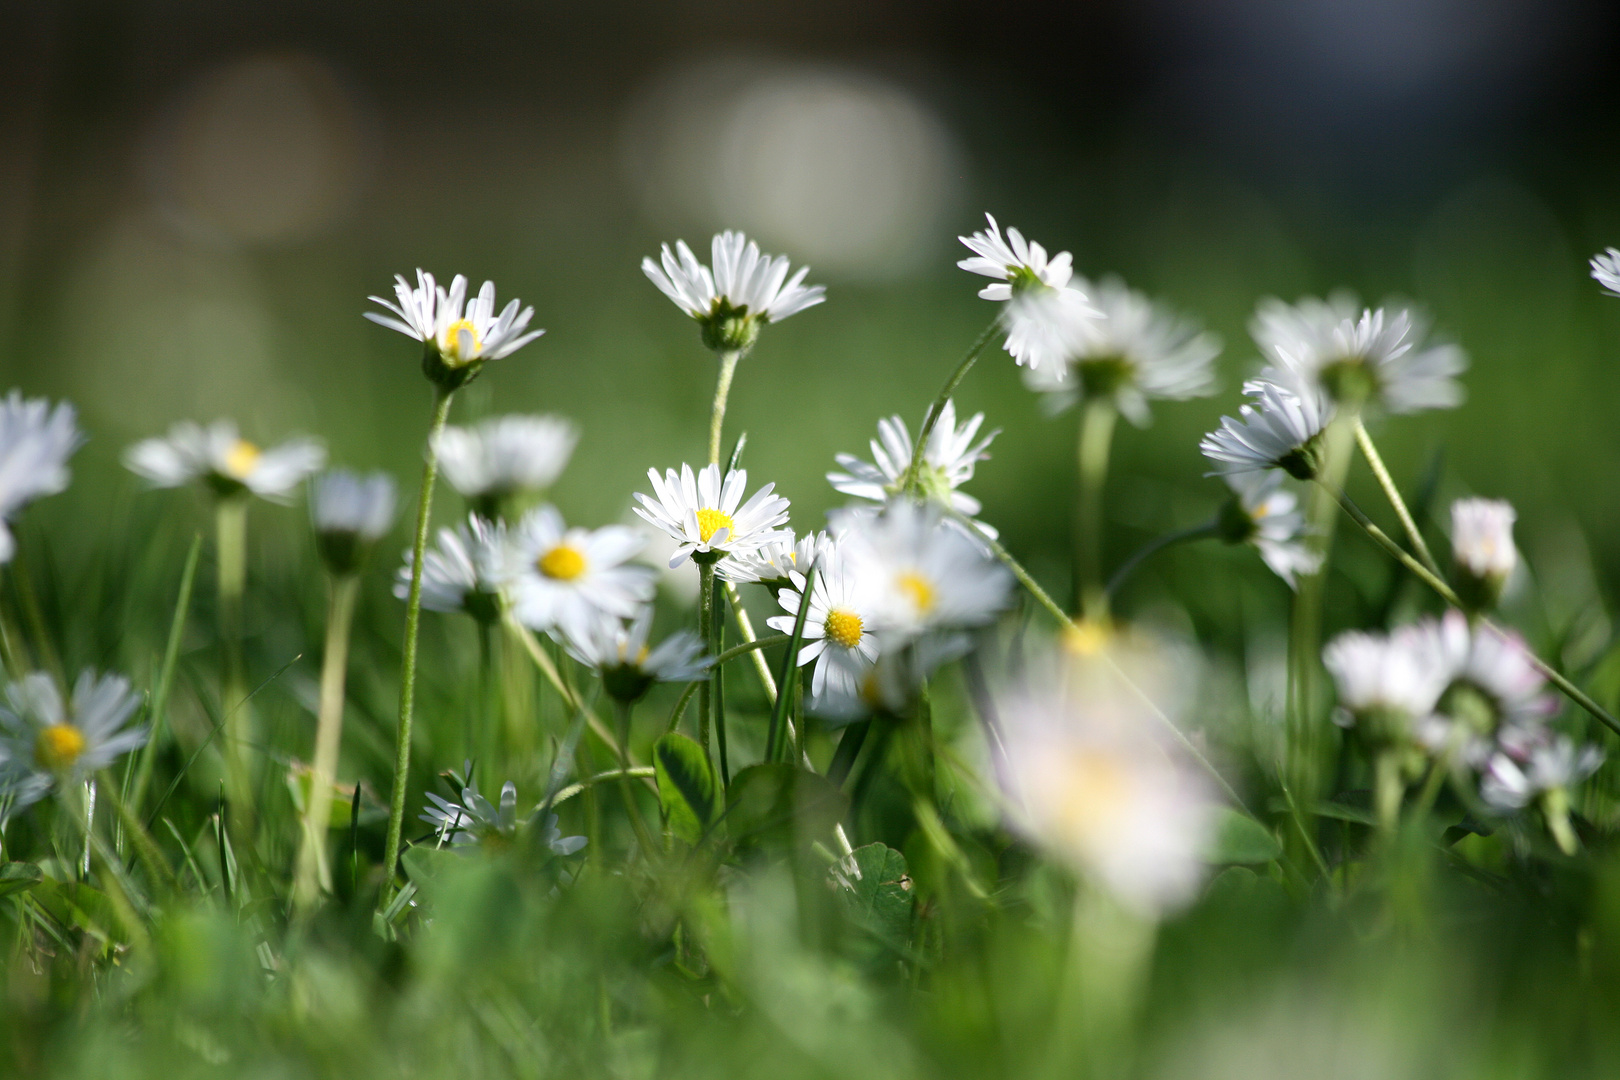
(159, 710)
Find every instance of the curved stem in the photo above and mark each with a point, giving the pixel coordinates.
(413, 619)
(1156, 545)
(634, 772)
(931, 417)
(1393, 494)
(722, 391)
(1096, 439)
(314, 876)
(745, 627)
(1018, 571)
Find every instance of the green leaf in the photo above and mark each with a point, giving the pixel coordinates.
(1241, 839)
(874, 890)
(17, 876)
(425, 864)
(687, 788)
(773, 804)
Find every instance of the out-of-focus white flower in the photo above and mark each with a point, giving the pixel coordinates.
(1279, 431)
(947, 463)
(773, 562)
(837, 628)
(44, 742)
(1482, 548)
(1389, 684)
(1046, 320)
(618, 650)
(1135, 352)
(458, 342)
(467, 571)
(475, 821)
(228, 463)
(743, 290)
(1606, 269)
(1511, 783)
(1377, 357)
(890, 685)
(1046, 328)
(566, 579)
(916, 575)
(36, 441)
(702, 514)
(1265, 514)
(350, 513)
(504, 456)
(1493, 688)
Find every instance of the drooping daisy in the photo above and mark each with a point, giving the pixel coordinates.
(566, 579)
(772, 563)
(46, 742)
(504, 456)
(1606, 270)
(917, 575)
(744, 290)
(1262, 512)
(1388, 685)
(702, 514)
(1281, 430)
(229, 464)
(1377, 357)
(466, 572)
(947, 463)
(1136, 352)
(1482, 548)
(838, 635)
(351, 513)
(456, 342)
(1046, 318)
(475, 821)
(1014, 262)
(618, 650)
(36, 441)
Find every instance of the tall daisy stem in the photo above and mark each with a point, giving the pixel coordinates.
(1153, 547)
(1096, 439)
(1393, 494)
(706, 632)
(413, 619)
(230, 525)
(931, 417)
(314, 876)
(722, 391)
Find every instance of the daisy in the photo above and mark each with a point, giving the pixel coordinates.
(1482, 547)
(1016, 263)
(1137, 351)
(947, 463)
(36, 441)
(744, 289)
(772, 563)
(350, 512)
(1388, 685)
(618, 650)
(1047, 318)
(1513, 782)
(467, 572)
(505, 456)
(1376, 357)
(229, 464)
(1281, 430)
(46, 742)
(566, 579)
(1264, 514)
(1493, 690)
(475, 821)
(701, 513)
(837, 627)
(1606, 269)
(916, 575)
(889, 686)
(456, 342)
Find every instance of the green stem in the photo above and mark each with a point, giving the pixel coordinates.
(413, 619)
(1018, 571)
(1096, 438)
(314, 875)
(745, 627)
(717, 677)
(1388, 790)
(1391, 492)
(230, 522)
(931, 417)
(626, 770)
(722, 391)
(706, 632)
(1153, 547)
(146, 849)
(159, 711)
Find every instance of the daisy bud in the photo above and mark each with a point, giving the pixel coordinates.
(1482, 549)
(351, 513)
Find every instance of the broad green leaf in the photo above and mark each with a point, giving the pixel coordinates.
(687, 787)
(17, 876)
(874, 890)
(771, 804)
(1241, 839)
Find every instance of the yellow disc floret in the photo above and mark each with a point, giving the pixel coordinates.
(452, 342)
(712, 521)
(1095, 794)
(918, 589)
(1088, 637)
(843, 628)
(561, 563)
(241, 458)
(58, 747)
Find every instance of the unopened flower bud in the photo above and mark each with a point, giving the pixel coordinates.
(1482, 549)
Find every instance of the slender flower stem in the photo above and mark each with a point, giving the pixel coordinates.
(931, 417)
(1393, 493)
(413, 619)
(159, 711)
(230, 523)
(626, 771)
(745, 627)
(634, 772)
(146, 849)
(1156, 545)
(1018, 571)
(722, 391)
(1096, 438)
(706, 632)
(314, 876)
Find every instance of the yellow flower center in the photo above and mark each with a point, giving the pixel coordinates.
(843, 628)
(1087, 637)
(712, 521)
(562, 563)
(452, 339)
(918, 589)
(241, 458)
(1095, 792)
(58, 747)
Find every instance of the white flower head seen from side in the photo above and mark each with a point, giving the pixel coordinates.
(743, 290)
(1046, 319)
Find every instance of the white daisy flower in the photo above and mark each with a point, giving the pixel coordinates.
(350, 512)
(838, 635)
(457, 341)
(1048, 319)
(1376, 357)
(1085, 782)
(36, 441)
(1493, 688)
(1390, 684)
(1513, 782)
(46, 742)
(916, 575)
(466, 572)
(1262, 512)
(947, 464)
(702, 512)
(1279, 431)
(565, 579)
(618, 650)
(742, 291)
(505, 456)
(1482, 548)
(475, 821)
(1018, 264)
(229, 464)
(1606, 270)
(889, 686)
(773, 562)
(1136, 352)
